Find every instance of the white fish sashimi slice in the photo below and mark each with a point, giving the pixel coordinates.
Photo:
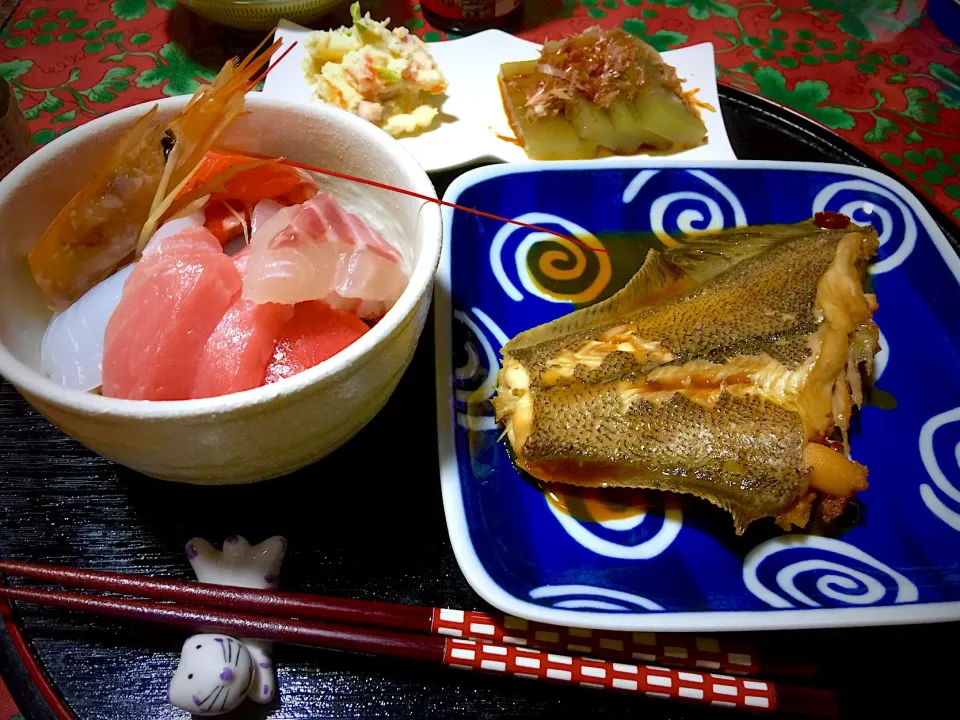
(318, 251)
(281, 280)
(368, 276)
(273, 226)
(71, 351)
(263, 211)
(352, 230)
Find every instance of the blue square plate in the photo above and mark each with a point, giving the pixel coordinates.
(679, 565)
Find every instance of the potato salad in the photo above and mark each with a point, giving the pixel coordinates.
(377, 73)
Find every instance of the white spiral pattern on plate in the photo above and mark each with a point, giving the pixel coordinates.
(473, 367)
(837, 580)
(882, 358)
(672, 522)
(928, 454)
(613, 600)
(523, 249)
(692, 220)
(868, 212)
(636, 185)
(469, 370)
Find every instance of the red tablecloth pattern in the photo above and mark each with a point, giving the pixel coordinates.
(876, 72)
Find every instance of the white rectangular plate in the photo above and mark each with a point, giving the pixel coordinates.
(472, 120)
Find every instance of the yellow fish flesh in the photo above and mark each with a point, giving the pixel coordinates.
(721, 369)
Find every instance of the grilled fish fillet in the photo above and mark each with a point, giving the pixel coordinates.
(707, 374)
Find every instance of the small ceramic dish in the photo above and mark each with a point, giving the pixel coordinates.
(472, 125)
(259, 433)
(677, 564)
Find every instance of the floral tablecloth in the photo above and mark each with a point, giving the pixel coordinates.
(876, 72)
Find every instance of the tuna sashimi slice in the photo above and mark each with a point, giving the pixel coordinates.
(172, 302)
(318, 251)
(315, 333)
(238, 352)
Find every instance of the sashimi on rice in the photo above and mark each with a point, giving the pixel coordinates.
(193, 318)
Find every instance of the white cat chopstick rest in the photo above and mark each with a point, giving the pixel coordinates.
(216, 672)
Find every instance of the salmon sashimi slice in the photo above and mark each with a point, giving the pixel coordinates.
(234, 183)
(316, 332)
(226, 219)
(172, 302)
(249, 179)
(318, 251)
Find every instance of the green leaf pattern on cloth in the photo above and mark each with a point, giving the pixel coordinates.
(50, 103)
(881, 129)
(660, 40)
(136, 9)
(949, 96)
(807, 96)
(14, 68)
(177, 72)
(919, 107)
(113, 82)
(703, 9)
(867, 69)
(863, 18)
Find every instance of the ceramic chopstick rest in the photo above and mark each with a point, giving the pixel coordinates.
(217, 672)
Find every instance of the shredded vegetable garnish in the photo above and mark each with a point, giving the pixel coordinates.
(601, 67)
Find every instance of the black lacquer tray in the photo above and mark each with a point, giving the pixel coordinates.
(367, 522)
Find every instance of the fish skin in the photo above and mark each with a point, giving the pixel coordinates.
(716, 319)
(743, 454)
(584, 400)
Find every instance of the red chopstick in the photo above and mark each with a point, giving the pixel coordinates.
(496, 658)
(673, 649)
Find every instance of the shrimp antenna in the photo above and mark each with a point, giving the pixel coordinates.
(427, 198)
(263, 75)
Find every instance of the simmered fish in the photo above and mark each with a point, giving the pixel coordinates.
(723, 369)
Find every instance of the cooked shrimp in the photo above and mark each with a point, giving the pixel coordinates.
(109, 221)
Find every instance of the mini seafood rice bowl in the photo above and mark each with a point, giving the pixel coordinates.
(260, 433)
